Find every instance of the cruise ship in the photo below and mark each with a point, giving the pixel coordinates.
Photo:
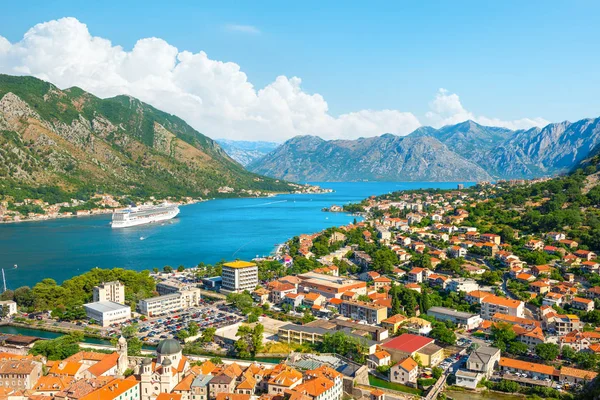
(133, 216)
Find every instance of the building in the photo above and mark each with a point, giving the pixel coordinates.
(493, 304)
(405, 371)
(533, 370)
(582, 304)
(484, 360)
(117, 389)
(415, 346)
(329, 286)
(393, 323)
(220, 384)
(161, 375)
(110, 291)
(19, 374)
(239, 276)
(9, 308)
(107, 312)
(161, 305)
(463, 319)
(467, 379)
(190, 295)
(462, 285)
(576, 376)
(363, 311)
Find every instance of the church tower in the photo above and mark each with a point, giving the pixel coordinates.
(123, 361)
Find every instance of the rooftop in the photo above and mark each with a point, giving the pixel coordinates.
(239, 264)
(105, 306)
(407, 343)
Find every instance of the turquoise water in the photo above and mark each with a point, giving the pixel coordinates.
(205, 232)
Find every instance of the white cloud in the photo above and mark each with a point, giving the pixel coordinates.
(446, 109)
(214, 97)
(242, 28)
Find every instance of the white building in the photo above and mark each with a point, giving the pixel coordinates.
(462, 285)
(107, 312)
(460, 318)
(110, 291)
(239, 276)
(9, 307)
(191, 295)
(161, 304)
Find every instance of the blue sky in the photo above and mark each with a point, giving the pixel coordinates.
(507, 60)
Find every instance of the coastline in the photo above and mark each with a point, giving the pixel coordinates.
(104, 211)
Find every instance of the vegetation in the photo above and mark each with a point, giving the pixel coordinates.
(347, 346)
(59, 348)
(250, 341)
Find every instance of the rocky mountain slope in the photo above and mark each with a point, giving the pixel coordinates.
(465, 151)
(76, 141)
(385, 158)
(245, 152)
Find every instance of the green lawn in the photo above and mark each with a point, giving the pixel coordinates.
(375, 381)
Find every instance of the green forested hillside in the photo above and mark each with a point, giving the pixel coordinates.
(71, 142)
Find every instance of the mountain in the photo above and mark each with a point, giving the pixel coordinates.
(75, 141)
(489, 153)
(384, 158)
(245, 152)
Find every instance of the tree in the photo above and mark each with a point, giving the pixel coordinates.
(181, 268)
(24, 297)
(250, 340)
(287, 308)
(193, 328)
(208, 335)
(134, 346)
(59, 348)
(344, 345)
(241, 301)
(168, 269)
(183, 334)
(567, 352)
(307, 317)
(443, 334)
(547, 351)
(502, 335)
(129, 331)
(517, 348)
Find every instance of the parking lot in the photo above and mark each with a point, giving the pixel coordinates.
(152, 330)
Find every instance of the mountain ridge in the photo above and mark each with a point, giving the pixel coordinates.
(502, 153)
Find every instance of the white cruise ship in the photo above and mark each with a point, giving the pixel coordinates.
(133, 216)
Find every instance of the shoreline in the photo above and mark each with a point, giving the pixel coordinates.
(195, 201)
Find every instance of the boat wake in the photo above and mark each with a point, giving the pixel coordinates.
(265, 204)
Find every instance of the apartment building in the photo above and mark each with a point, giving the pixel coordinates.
(110, 291)
(239, 276)
(190, 295)
(463, 319)
(493, 304)
(19, 374)
(160, 305)
(363, 311)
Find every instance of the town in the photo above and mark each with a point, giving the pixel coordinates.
(431, 293)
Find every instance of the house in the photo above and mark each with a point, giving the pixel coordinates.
(576, 376)
(312, 299)
(379, 358)
(293, 299)
(552, 299)
(418, 326)
(539, 287)
(585, 255)
(261, 295)
(582, 304)
(381, 282)
(417, 275)
(393, 323)
(405, 371)
(492, 238)
(555, 236)
(462, 285)
(569, 243)
(537, 270)
(283, 378)
(535, 244)
(468, 379)
(484, 360)
(415, 346)
(457, 251)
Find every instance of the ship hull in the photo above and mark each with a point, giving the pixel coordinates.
(151, 219)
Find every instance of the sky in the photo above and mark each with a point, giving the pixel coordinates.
(271, 70)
